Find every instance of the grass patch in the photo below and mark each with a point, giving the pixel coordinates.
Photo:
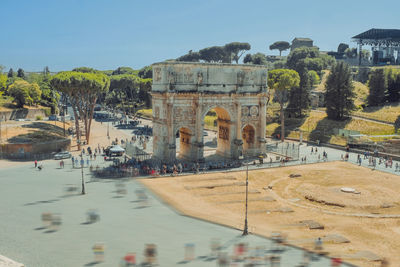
(318, 122)
(209, 122)
(362, 92)
(386, 113)
(148, 113)
(271, 128)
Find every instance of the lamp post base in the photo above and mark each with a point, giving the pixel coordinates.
(245, 231)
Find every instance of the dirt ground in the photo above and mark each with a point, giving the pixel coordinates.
(367, 221)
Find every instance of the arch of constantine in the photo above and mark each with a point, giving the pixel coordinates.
(183, 93)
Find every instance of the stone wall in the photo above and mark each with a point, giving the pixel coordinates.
(208, 78)
(31, 151)
(22, 113)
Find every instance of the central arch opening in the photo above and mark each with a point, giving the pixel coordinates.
(217, 134)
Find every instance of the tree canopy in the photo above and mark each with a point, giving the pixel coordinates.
(236, 50)
(282, 80)
(3, 83)
(124, 70)
(339, 96)
(342, 47)
(280, 45)
(10, 73)
(214, 54)
(223, 54)
(82, 89)
(377, 86)
(256, 59)
(25, 93)
(302, 60)
(190, 57)
(351, 52)
(21, 73)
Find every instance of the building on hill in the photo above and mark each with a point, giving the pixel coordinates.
(301, 42)
(317, 99)
(385, 45)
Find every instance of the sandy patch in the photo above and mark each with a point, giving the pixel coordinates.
(285, 206)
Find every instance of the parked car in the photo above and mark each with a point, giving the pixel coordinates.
(53, 118)
(62, 155)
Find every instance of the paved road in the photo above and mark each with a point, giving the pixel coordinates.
(123, 226)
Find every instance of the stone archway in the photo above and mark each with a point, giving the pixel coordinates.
(225, 129)
(183, 93)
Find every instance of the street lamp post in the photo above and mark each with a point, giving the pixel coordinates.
(83, 181)
(245, 230)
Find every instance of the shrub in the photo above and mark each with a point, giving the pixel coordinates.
(39, 118)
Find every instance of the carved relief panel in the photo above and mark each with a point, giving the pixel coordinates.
(223, 133)
(157, 74)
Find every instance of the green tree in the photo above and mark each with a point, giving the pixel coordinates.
(339, 96)
(86, 70)
(21, 73)
(236, 50)
(214, 54)
(3, 83)
(377, 86)
(126, 87)
(124, 70)
(302, 60)
(342, 47)
(19, 90)
(49, 97)
(392, 94)
(314, 77)
(247, 59)
(34, 94)
(145, 92)
(256, 59)
(280, 45)
(190, 57)
(10, 73)
(82, 89)
(351, 52)
(146, 72)
(299, 96)
(259, 59)
(282, 80)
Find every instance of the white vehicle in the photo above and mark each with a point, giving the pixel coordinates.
(62, 155)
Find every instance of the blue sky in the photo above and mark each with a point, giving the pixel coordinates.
(106, 34)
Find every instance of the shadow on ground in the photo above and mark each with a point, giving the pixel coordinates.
(291, 124)
(325, 129)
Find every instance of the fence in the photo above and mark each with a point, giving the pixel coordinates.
(135, 152)
(287, 149)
